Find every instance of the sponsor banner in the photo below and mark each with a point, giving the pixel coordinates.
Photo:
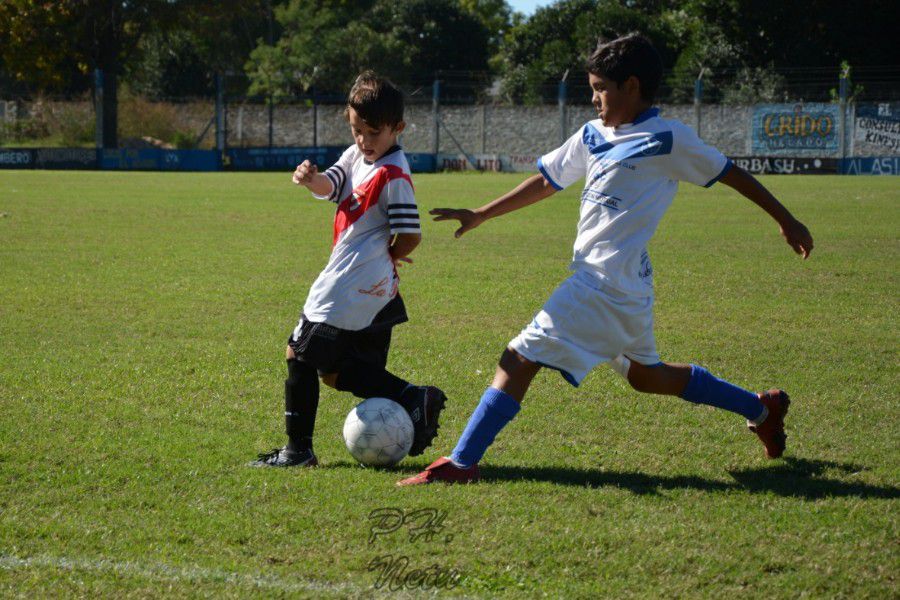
(520, 163)
(766, 165)
(280, 159)
(157, 159)
(785, 129)
(463, 162)
(886, 165)
(420, 162)
(16, 158)
(65, 158)
(879, 125)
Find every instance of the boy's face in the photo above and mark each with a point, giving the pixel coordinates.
(373, 142)
(616, 104)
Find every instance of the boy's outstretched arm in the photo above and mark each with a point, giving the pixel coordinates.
(794, 232)
(533, 189)
(307, 173)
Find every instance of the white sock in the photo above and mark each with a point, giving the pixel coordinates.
(759, 420)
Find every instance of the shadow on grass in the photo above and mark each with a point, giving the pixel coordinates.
(791, 477)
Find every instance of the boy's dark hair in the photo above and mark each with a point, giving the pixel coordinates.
(632, 54)
(376, 100)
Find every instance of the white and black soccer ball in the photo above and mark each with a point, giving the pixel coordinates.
(378, 432)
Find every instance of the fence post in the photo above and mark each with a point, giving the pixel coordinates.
(315, 115)
(271, 118)
(220, 114)
(561, 99)
(843, 92)
(98, 108)
(698, 98)
(436, 117)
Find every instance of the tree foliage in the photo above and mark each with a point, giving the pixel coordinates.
(288, 47)
(328, 42)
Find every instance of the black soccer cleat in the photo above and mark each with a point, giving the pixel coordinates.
(424, 405)
(284, 457)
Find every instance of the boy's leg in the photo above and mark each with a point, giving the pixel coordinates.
(364, 375)
(301, 402)
(499, 404)
(764, 412)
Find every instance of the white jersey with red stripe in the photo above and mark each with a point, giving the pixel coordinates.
(375, 200)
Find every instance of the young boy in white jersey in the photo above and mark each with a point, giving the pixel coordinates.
(631, 161)
(344, 332)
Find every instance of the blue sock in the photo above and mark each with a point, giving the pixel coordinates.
(705, 388)
(495, 410)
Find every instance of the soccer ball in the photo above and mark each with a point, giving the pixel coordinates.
(378, 432)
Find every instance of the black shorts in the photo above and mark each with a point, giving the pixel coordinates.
(326, 347)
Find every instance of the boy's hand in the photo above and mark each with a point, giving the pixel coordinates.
(304, 173)
(798, 238)
(469, 219)
(398, 262)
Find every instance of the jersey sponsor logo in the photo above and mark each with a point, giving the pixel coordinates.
(646, 270)
(380, 289)
(376, 290)
(602, 198)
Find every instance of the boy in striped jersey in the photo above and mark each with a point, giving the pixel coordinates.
(344, 331)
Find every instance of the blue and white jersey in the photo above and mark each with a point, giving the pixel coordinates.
(631, 175)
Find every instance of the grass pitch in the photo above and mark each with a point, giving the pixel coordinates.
(142, 325)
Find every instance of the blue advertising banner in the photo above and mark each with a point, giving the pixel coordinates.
(420, 162)
(886, 165)
(65, 158)
(16, 158)
(157, 159)
(785, 129)
(280, 159)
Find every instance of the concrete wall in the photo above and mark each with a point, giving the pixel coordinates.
(484, 129)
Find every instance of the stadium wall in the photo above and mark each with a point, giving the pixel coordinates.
(765, 138)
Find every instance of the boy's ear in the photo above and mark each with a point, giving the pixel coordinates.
(632, 85)
(399, 127)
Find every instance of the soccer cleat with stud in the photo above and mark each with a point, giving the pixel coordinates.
(424, 405)
(771, 430)
(443, 470)
(285, 457)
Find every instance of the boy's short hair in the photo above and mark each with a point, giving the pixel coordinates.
(632, 54)
(376, 100)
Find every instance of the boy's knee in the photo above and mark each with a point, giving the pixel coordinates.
(514, 364)
(643, 378)
(329, 379)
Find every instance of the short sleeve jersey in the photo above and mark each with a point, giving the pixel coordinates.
(375, 200)
(631, 174)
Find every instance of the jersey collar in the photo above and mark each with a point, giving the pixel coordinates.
(390, 151)
(647, 114)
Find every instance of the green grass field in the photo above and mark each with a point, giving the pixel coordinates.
(142, 326)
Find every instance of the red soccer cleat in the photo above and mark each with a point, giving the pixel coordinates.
(443, 470)
(771, 431)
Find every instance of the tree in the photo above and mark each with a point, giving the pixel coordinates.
(55, 46)
(326, 43)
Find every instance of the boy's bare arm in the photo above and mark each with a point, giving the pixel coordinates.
(402, 246)
(533, 189)
(308, 174)
(794, 232)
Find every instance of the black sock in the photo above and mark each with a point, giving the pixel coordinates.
(365, 380)
(301, 400)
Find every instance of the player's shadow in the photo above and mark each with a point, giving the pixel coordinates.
(794, 477)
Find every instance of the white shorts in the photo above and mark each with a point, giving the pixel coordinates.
(583, 324)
